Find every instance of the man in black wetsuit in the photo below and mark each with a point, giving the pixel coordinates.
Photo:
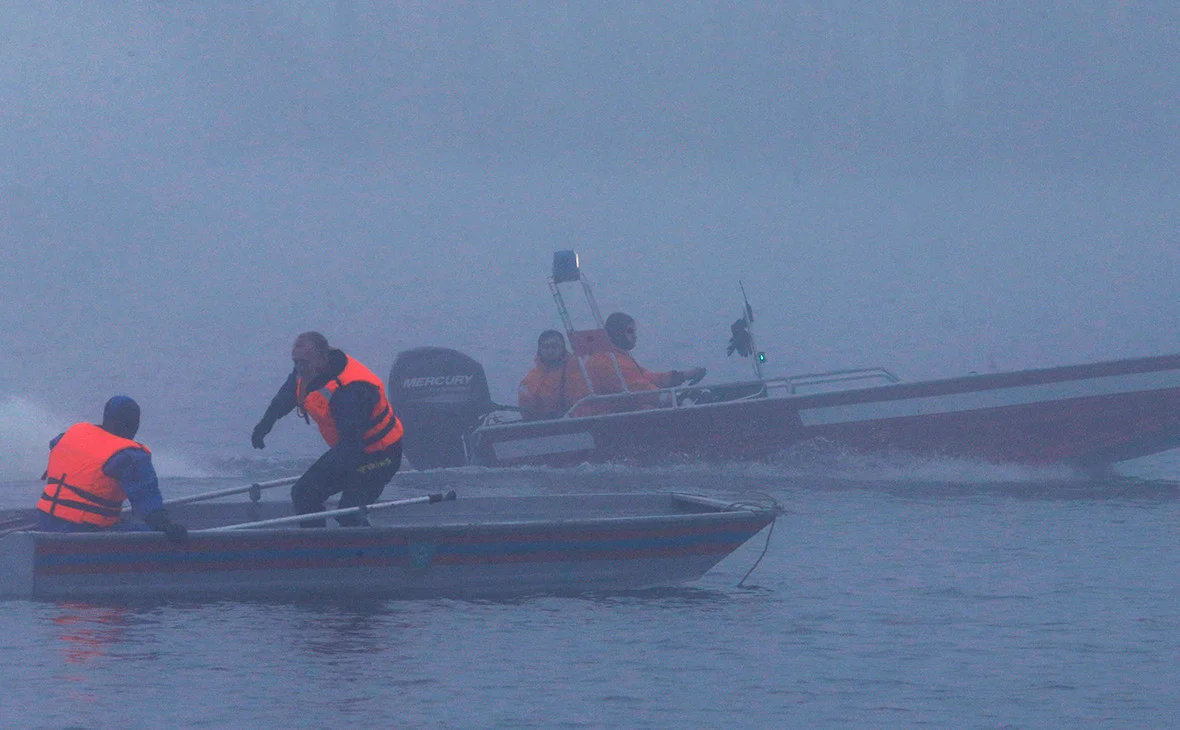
(347, 401)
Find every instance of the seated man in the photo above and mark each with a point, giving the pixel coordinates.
(544, 392)
(604, 376)
(93, 469)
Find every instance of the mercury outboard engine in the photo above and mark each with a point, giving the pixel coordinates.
(440, 395)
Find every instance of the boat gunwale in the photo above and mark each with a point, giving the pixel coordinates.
(972, 382)
(738, 512)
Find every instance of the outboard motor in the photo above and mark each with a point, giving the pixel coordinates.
(440, 395)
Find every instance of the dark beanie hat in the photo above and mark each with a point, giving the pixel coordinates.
(615, 324)
(120, 416)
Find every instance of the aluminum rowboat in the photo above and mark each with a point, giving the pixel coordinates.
(469, 547)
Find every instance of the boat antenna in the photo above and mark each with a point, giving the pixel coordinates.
(742, 339)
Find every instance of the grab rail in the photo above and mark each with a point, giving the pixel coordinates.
(759, 388)
(794, 382)
(769, 388)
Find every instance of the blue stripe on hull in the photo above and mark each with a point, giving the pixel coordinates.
(215, 555)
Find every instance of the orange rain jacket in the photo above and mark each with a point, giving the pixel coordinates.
(605, 379)
(545, 391)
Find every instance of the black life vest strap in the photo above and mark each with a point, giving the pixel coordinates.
(98, 501)
(386, 417)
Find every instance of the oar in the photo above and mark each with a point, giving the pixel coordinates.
(255, 487)
(362, 510)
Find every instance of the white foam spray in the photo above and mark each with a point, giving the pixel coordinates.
(26, 429)
(171, 465)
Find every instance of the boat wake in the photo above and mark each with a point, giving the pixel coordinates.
(818, 458)
(828, 462)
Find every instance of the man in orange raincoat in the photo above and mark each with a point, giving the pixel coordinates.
(544, 392)
(600, 366)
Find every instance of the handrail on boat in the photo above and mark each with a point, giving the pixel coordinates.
(682, 396)
(765, 504)
(838, 376)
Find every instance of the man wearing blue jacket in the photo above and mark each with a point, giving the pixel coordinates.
(94, 469)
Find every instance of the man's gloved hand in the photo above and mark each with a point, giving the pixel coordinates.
(161, 522)
(260, 432)
(694, 375)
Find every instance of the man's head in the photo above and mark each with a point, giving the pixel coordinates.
(310, 354)
(620, 328)
(551, 348)
(120, 416)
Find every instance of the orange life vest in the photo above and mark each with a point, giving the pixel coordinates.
(384, 429)
(77, 490)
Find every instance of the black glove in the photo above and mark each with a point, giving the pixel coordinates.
(260, 431)
(161, 522)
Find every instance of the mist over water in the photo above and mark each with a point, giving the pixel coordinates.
(935, 188)
(25, 432)
(937, 191)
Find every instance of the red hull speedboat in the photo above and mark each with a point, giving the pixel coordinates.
(1081, 415)
(1087, 416)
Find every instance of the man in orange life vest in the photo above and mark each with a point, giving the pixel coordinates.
(347, 401)
(93, 469)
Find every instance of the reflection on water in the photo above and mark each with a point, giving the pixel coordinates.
(86, 632)
(339, 628)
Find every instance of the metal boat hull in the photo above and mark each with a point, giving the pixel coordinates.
(471, 547)
(1083, 415)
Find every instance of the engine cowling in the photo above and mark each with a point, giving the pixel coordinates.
(440, 395)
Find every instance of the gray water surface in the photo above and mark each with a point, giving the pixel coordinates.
(894, 603)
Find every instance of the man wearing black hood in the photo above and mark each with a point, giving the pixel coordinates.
(615, 371)
(94, 469)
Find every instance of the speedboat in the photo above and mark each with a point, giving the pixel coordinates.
(1088, 416)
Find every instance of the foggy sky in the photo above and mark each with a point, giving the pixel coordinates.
(936, 187)
(815, 85)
